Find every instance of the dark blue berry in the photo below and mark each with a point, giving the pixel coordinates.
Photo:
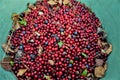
(70, 65)
(75, 33)
(22, 14)
(46, 43)
(35, 25)
(61, 30)
(46, 22)
(32, 56)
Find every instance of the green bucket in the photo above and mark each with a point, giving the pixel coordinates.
(108, 12)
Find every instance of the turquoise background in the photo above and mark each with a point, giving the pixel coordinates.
(107, 10)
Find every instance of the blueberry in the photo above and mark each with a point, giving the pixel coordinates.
(73, 46)
(46, 22)
(87, 66)
(46, 43)
(88, 46)
(54, 35)
(79, 19)
(67, 59)
(66, 10)
(32, 56)
(97, 52)
(12, 47)
(21, 47)
(19, 54)
(10, 32)
(61, 30)
(22, 14)
(73, 36)
(57, 38)
(70, 65)
(32, 60)
(75, 33)
(35, 25)
(76, 58)
(23, 32)
(63, 76)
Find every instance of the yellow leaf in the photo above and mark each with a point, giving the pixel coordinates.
(40, 49)
(51, 2)
(65, 2)
(109, 50)
(60, 2)
(51, 62)
(38, 34)
(21, 72)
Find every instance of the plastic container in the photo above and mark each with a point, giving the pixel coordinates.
(107, 11)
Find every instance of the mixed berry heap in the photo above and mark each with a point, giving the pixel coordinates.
(56, 40)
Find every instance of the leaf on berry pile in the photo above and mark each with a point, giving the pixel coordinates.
(51, 62)
(99, 71)
(11, 63)
(66, 2)
(5, 63)
(6, 48)
(51, 2)
(83, 54)
(15, 17)
(89, 74)
(84, 73)
(21, 72)
(16, 26)
(31, 6)
(47, 77)
(60, 2)
(71, 61)
(40, 13)
(40, 49)
(23, 22)
(109, 50)
(60, 44)
(105, 66)
(38, 34)
(99, 62)
(18, 54)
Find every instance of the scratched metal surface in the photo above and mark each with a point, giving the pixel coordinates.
(108, 11)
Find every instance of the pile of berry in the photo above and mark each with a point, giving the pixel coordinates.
(57, 40)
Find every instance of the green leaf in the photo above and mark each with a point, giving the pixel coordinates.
(83, 54)
(47, 77)
(84, 73)
(71, 61)
(11, 63)
(23, 22)
(60, 43)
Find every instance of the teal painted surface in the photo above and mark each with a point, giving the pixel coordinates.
(108, 11)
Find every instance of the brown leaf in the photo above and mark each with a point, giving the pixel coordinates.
(109, 49)
(16, 26)
(6, 48)
(15, 17)
(6, 63)
(99, 62)
(31, 6)
(105, 66)
(21, 72)
(40, 49)
(99, 71)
